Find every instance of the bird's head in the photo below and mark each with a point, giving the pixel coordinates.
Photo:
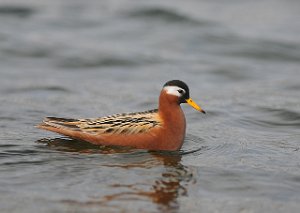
(179, 92)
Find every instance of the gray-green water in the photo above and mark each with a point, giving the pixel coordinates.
(241, 60)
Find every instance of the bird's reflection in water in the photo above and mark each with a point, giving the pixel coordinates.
(76, 146)
(163, 188)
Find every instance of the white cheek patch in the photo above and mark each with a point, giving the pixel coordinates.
(173, 90)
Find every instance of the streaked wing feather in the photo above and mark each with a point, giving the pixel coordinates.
(126, 123)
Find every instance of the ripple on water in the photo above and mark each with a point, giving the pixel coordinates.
(37, 88)
(90, 61)
(268, 50)
(194, 144)
(27, 49)
(16, 11)
(270, 118)
(164, 14)
(18, 157)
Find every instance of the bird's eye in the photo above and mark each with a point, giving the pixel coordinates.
(180, 91)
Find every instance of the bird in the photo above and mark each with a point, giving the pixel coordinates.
(161, 129)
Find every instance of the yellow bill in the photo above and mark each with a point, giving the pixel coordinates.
(194, 105)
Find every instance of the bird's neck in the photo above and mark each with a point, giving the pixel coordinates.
(173, 121)
(169, 109)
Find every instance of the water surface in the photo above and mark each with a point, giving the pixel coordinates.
(94, 58)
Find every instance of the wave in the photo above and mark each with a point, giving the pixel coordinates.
(165, 14)
(16, 11)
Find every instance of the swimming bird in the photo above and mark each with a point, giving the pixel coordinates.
(159, 129)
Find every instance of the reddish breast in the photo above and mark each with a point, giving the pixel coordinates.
(174, 124)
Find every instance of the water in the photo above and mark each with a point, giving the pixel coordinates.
(94, 58)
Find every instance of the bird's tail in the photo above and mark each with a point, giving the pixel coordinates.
(51, 123)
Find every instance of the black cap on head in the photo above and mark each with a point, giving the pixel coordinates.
(182, 85)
